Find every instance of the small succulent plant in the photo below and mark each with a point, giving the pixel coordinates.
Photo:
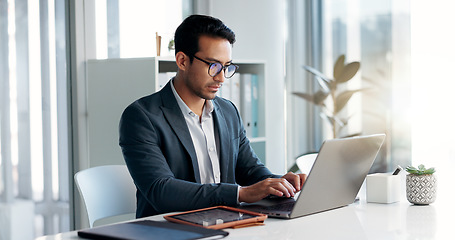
(420, 170)
(171, 45)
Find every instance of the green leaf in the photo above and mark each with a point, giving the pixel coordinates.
(339, 121)
(317, 73)
(421, 170)
(339, 66)
(333, 120)
(319, 97)
(352, 135)
(411, 168)
(328, 118)
(429, 171)
(305, 96)
(333, 86)
(294, 168)
(421, 167)
(348, 72)
(325, 86)
(343, 98)
(342, 121)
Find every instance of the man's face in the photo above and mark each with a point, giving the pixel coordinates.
(198, 81)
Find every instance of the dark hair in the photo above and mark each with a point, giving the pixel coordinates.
(187, 34)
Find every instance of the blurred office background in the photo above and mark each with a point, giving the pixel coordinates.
(405, 48)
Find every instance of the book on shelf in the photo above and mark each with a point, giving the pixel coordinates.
(235, 91)
(254, 106)
(245, 102)
(243, 91)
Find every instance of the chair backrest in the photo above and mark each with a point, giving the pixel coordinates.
(305, 162)
(107, 191)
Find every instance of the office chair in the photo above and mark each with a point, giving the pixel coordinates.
(107, 191)
(305, 162)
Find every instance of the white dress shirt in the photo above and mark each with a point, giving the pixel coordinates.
(203, 135)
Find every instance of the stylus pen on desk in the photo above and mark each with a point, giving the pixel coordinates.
(398, 170)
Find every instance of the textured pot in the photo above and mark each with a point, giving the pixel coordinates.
(421, 189)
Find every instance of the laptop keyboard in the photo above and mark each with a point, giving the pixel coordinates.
(282, 207)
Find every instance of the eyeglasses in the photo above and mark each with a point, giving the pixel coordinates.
(216, 68)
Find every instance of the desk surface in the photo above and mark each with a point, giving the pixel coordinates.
(360, 220)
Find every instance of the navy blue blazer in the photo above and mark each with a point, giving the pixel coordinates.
(159, 152)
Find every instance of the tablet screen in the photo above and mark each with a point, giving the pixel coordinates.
(213, 216)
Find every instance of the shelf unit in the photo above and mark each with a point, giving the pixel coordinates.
(115, 83)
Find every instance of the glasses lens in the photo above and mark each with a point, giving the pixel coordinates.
(215, 69)
(230, 70)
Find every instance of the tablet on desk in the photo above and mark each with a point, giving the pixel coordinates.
(217, 217)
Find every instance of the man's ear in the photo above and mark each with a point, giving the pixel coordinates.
(182, 61)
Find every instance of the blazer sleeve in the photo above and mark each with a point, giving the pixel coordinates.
(161, 168)
(248, 167)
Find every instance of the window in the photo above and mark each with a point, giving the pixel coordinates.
(377, 34)
(34, 106)
(126, 28)
(432, 111)
(34, 123)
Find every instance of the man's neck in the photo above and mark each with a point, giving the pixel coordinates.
(195, 103)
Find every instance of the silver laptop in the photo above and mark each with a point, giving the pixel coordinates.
(334, 180)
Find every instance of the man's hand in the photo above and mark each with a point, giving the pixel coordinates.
(296, 180)
(270, 186)
(287, 186)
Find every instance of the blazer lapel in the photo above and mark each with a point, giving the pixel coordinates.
(224, 139)
(176, 120)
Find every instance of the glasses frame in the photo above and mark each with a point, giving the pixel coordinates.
(223, 68)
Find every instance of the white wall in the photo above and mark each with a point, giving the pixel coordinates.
(260, 27)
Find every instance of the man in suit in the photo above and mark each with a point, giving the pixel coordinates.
(185, 147)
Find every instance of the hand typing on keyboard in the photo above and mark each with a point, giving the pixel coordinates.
(286, 186)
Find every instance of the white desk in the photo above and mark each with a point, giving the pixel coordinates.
(359, 220)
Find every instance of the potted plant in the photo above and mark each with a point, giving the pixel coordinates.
(330, 89)
(171, 45)
(421, 185)
(331, 97)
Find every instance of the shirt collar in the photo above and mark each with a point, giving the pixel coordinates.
(208, 107)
